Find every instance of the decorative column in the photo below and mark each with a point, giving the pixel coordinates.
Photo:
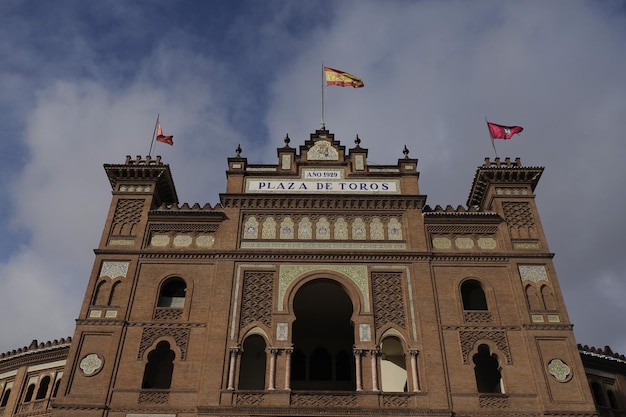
(357, 361)
(234, 351)
(414, 375)
(375, 353)
(273, 353)
(288, 353)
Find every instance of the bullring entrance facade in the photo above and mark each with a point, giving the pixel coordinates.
(323, 285)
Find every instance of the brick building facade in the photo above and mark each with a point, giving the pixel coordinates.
(323, 285)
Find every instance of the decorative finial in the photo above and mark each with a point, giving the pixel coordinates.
(287, 140)
(405, 151)
(357, 140)
(238, 150)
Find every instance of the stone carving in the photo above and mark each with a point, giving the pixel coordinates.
(305, 229)
(341, 229)
(534, 273)
(182, 240)
(358, 229)
(205, 241)
(322, 151)
(442, 243)
(286, 228)
(323, 400)
(322, 229)
(365, 332)
(559, 370)
(114, 269)
(394, 229)
(376, 229)
(282, 331)
(269, 228)
(464, 243)
(91, 364)
(251, 228)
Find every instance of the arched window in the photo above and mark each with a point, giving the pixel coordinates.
(548, 298)
(612, 400)
(29, 393)
(55, 391)
(487, 371)
(173, 293)
(114, 295)
(393, 365)
(598, 395)
(253, 363)
(5, 397)
(533, 299)
(43, 388)
(160, 366)
(473, 296)
(98, 296)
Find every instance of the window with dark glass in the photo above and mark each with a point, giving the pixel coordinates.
(173, 293)
(473, 296)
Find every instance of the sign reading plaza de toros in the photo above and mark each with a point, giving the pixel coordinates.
(322, 181)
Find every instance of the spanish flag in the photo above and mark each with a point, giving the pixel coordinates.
(342, 79)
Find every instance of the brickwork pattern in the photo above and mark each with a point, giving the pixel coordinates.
(257, 298)
(388, 304)
(127, 216)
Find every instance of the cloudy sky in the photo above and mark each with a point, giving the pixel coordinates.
(81, 84)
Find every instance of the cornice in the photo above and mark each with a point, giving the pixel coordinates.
(316, 411)
(489, 328)
(36, 357)
(555, 326)
(323, 202)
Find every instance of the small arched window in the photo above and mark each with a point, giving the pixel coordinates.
(253, 363)
(29, 393)
(473, 296)
(487, 371)
(612, 399)
(173, 293)
(43, 388)
(5, 397)
(55, 391)
(160, 366)
(598, 395)
(393, 365)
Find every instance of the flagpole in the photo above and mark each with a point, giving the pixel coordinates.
(153, 135)
(493, 144)
(323, 123)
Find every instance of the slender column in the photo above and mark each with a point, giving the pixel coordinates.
(414, 376)
(234, 351)
(288, 353)
(357, 363)
(273, 353)
(375, 353)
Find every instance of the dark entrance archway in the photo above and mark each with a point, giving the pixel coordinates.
(323, 337)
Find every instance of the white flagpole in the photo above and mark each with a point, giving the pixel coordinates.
(323, 123)
(492, 141)
(153, 135)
